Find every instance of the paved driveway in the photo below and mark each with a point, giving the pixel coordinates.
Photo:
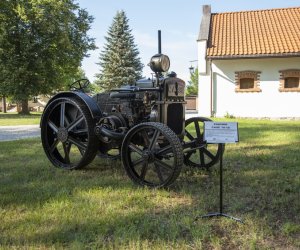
(10, 133)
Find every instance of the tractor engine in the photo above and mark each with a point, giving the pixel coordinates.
(160, 100)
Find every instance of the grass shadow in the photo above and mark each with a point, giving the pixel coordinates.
(99, 207)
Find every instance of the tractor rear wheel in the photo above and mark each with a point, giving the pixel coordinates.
(67, 133)
(199, 153)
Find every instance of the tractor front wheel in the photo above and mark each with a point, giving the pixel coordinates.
(152, 155)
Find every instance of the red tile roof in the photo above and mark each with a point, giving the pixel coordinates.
(274, 32)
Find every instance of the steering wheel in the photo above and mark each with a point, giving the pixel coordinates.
(80, 84)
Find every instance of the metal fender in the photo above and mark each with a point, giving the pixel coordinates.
(90, 103)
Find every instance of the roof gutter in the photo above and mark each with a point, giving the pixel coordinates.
(294, 54)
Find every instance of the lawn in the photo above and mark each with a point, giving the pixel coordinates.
(98, 207)
(12, 119)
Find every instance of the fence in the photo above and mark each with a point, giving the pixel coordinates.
(191, 102)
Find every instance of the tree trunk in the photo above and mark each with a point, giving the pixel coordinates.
(4, 104)
(25, 108)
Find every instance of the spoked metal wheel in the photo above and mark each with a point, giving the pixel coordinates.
(152, 155)
(198, 153)
(67, 133)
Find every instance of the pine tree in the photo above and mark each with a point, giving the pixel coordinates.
(119, 60)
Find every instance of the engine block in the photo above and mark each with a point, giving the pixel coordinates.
(136, 104)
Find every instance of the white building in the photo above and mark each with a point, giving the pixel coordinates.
(249, 63)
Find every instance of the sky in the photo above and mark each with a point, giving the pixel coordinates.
(178, 20)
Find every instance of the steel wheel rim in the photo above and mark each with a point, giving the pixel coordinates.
(66, 134)
(205, 156)
(148, 161)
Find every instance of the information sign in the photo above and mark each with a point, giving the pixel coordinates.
(221, 132)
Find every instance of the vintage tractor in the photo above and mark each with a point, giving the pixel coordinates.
(143, 125)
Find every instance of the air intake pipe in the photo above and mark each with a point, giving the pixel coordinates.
(102, 132)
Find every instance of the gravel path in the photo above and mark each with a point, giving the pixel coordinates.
(11, 133)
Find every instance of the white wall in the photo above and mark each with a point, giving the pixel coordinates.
(267, 103)
(204, 83)
(202, 65)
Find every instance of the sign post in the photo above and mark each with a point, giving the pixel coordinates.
(221, 132)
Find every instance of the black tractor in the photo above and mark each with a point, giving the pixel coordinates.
(144, 125)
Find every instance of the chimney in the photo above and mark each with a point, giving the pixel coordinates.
(205, 23)
(202, 40)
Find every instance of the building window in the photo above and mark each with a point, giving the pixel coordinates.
(247, 81)
(289, 80)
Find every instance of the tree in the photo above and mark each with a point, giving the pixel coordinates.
(42, 43)
(119, 60)
(192, 88)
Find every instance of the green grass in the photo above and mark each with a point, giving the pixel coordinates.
(98, 207)
(12, 119)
